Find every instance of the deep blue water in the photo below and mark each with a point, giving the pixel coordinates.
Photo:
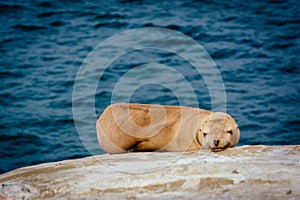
(256, 48)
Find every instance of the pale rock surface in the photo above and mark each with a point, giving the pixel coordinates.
(245, 172)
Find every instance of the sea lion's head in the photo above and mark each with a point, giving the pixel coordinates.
(218, 131)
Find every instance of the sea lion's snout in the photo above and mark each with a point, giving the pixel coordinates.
(216, 143)
(220, 148)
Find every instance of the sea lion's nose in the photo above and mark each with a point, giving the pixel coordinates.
(216, 142)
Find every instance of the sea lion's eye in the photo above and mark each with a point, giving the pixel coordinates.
(230, 132)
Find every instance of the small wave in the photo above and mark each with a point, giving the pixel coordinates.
(45, 4)
(9, 74)
(49, 58)
(8, 40)
(280, 22)
(46, 14)
(289, 69)
(281, 45)
(149, 25)
(229, 18)
(111, 24)
(132, 2)
(255, 54)
(21, 138)
(173, 27)
(56, 23)
(237, 90)
(294, 123)
(8, 8)
(65, 121)
(223, 53)
(109, 16)
(292, 36)
(84, 14)
(29, 27)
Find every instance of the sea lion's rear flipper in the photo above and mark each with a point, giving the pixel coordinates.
(142, 146)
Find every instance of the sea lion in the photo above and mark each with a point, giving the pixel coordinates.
(142, 127)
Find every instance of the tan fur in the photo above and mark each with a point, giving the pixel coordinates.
(142, 127)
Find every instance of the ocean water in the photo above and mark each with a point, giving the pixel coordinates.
(43, 44)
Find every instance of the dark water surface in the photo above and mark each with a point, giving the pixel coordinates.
(255, 45)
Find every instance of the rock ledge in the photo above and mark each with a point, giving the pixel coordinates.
(252, 172)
